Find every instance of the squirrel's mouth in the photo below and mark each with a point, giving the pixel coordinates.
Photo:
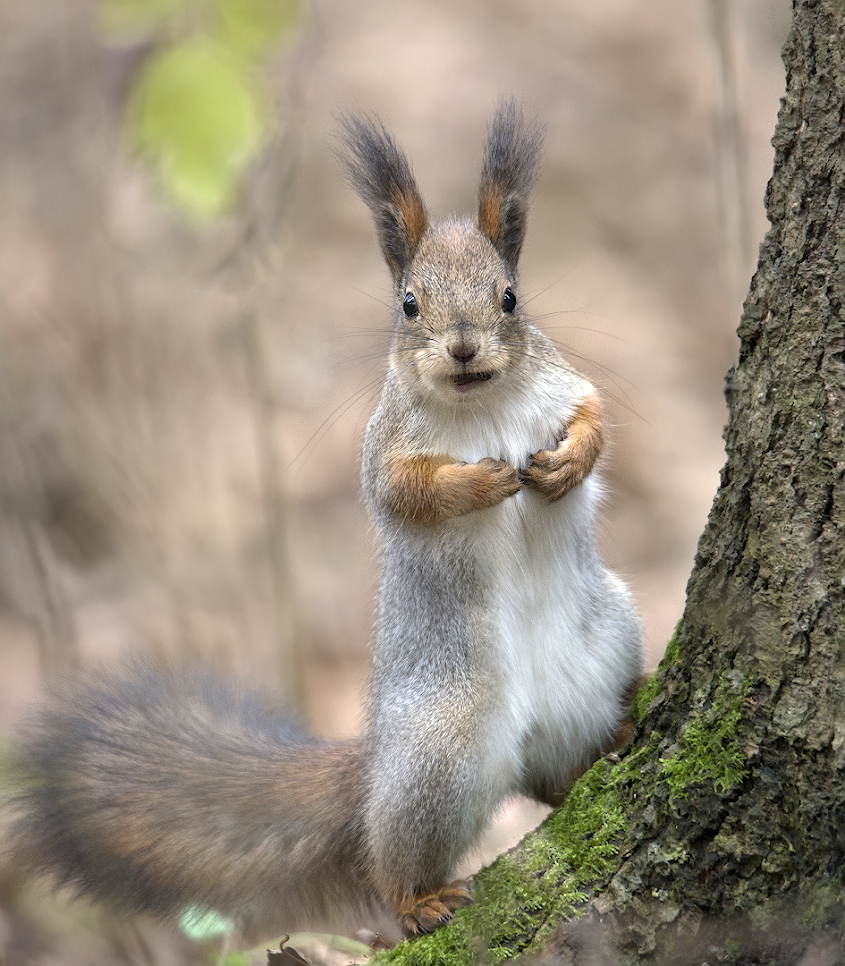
(462, 381)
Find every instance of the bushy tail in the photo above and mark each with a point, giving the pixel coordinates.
(157, 790)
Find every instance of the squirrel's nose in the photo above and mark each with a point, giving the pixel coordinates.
(463, 349)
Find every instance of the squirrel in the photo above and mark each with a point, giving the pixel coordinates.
(504, 657)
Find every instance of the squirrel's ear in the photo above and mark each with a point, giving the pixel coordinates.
(511, 166)
(379, 172)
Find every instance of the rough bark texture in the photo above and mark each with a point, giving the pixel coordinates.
(720, 836)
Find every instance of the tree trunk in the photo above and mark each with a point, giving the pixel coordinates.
(720, 835)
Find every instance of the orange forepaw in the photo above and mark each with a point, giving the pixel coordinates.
(553, 473)
(426, 911)
(431, 489)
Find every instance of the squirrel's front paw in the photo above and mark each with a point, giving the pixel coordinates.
(466, 487)
(424, 913)
(496, 480)
(554, 473)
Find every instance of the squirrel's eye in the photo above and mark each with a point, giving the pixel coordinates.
(409, 306)
(508, 301)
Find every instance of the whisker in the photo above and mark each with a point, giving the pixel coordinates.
(351, 361)
(361, 331)
(566, 274)
(333, 418)
(620, 396)
(388, 305)
(575, 328)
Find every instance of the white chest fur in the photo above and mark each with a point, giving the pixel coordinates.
(547, 635)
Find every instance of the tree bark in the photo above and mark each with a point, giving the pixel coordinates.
(720, 835)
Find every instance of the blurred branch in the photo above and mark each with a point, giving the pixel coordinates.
(730, 155)
(265, 207)
(256, 163)
(59, 650)
(285, 606)
(40, 592)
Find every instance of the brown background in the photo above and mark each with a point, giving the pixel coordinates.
(134, 417)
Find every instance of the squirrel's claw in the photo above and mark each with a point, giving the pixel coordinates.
(424, 913)
(554, 473)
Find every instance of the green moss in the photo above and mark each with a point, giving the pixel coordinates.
(446, 947)
(709, 749)
(649, 691)
(825, 905)
(643, 698)
(672, 654)
(522, 897)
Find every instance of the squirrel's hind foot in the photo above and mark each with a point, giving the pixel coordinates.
(424, 913)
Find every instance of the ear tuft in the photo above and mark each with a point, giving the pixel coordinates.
(511, 166)
(380, 174)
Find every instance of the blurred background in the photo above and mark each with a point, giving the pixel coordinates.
(194, 317)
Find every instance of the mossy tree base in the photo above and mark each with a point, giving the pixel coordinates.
(720, 835)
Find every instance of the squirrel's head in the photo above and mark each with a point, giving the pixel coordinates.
(458, 320)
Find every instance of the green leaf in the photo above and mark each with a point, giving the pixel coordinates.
(198, 114)
(200, 925)
(250, 27)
